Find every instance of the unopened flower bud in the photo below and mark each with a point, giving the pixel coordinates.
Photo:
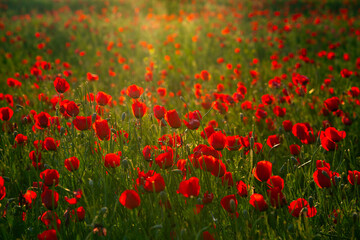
(311, 201)
(232, 205)
(355, 216)
(93, 117)
(62, 131)
(125, 163)
(163, 196)
(325, 174)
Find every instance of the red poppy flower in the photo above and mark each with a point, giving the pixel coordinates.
(11, 82)
(173, 119)
(242, 188)
(51, 144)
(203, 149)
(272, 141)
(205, 75)
(102, 129)
(2, 188)
(298, 206)
(50, 219)
(261, 113)
(233, 143)
(61, 85)
(229, 203)
(170, 140)
(21, 139)
(334, 135)
(82, 123)
(192, 120)
(294, 149)
(189, 188)
(208, 130)
(159, 112)
(275, 181)
(263, 170)
(277, 198)
(332, 104)
(6, 113)
(207, 236)
(139, 109)
(267, 99)
(134, 91)
(354, 92)
(72, 163)
(217, 140)
(29, 197)
(322, 163)
(50, 177)
(72, 109)
(345, 73)
(48, 235)
(353, 177)
(102, 98)
(50, 198)
(149, 152)
(303, 132)
(165, 160)
(80, 213)
(227, 179)
(258, 202)
(287, 124)
(130, 199)
(324, 177)
(112, 160)
(278, 111)
(92, 77)
(151, 181)
(327, 143)
(71, 201)
(42, 120)
(208, 198)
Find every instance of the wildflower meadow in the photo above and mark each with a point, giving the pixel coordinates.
(189, 119)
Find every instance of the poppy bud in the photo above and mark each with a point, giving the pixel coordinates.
(163, 196)
(93, 117)
(125, 163)
(355, 216)
(245, 214)
(252, 140)
(311, 201)
(291, 227)
(337, 179)
(123, 116)
(232, 205)
(62, 131)
(325, 174)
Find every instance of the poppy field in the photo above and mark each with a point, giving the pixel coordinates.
(191, 119)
